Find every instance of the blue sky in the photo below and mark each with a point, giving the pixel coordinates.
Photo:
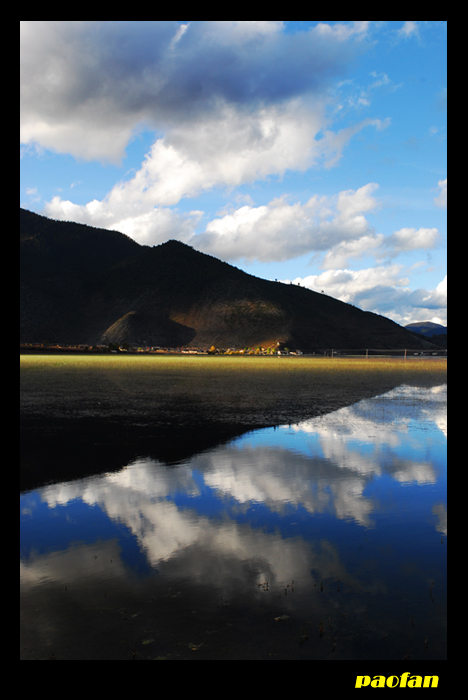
(304, 151)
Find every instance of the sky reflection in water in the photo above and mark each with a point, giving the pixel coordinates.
(333, 529)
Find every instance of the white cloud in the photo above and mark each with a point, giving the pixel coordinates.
(441, 199)
(340, 254)
(236, 31)
(409, 28)
(343, 32)
(179, 34)
(407, 239)
(232, 102)
(334, 143)
(442, 287)
(280, 230)
(380, 246)
(381, 79)
(337, 227)
(33, 194)
(147, 227)
(229, 148)
(346, 284)
(86, 85)
(384, 290)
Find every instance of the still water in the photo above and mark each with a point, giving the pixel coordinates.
(321, 540)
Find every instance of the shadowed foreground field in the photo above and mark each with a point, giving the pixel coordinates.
(255, 392)
(133, 405)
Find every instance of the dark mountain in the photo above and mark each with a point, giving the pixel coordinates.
(85, 285)
(434, 332)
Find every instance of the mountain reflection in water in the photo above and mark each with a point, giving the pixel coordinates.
(321, 540)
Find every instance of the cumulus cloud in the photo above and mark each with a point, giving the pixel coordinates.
(147, 227)
(340, 254)
(337, 227)
(407, 239)
(86, 85)
(228, 148)
(384, 290)
(70, 73)
(283, 230)
(381, 247)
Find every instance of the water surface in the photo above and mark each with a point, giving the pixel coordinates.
(321, 540)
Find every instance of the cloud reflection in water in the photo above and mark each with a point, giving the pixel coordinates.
(277, 505)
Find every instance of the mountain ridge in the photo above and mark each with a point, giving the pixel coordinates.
(81, 284)
(427, 328)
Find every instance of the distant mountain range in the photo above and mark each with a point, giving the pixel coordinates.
(427, 328)
(85, 285)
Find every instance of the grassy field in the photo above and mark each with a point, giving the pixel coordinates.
(191, 365)
(222, 388)
(166, 372)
